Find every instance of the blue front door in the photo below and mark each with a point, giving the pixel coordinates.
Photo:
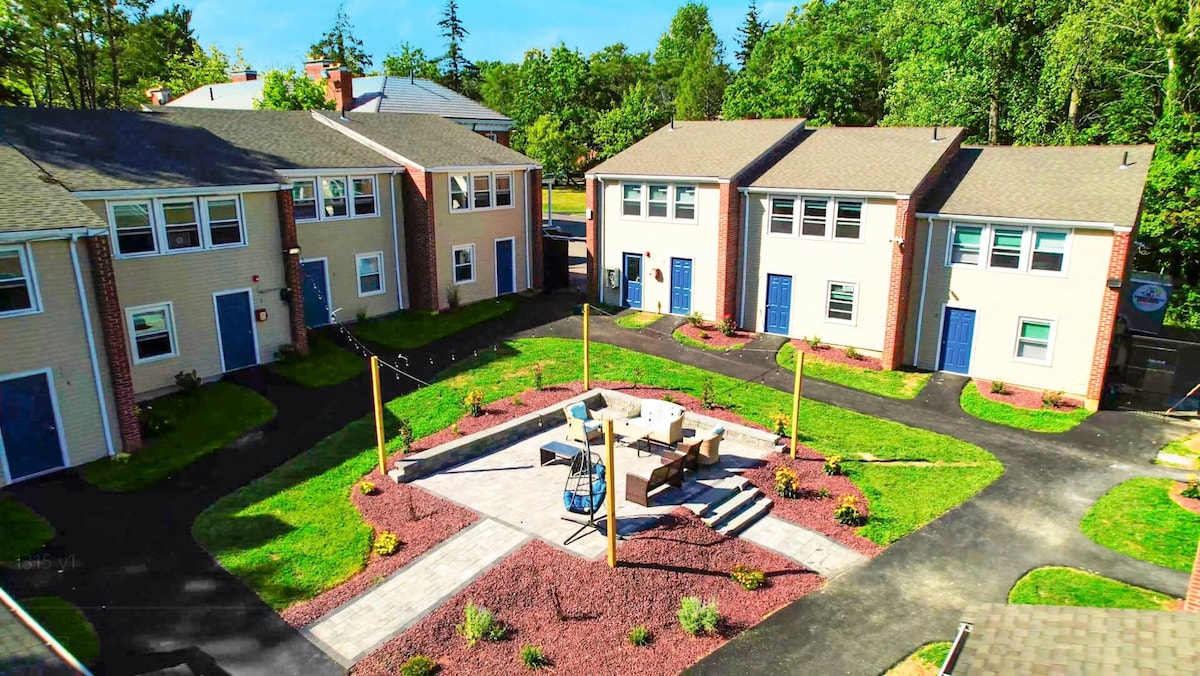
(633, 280)
(28, 429)
(235, 323)
(681, 286)
(505, 267)
(316, 293)
(958, 330)
(779, 304)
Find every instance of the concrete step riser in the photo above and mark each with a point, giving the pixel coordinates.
(732, 507)
(746, 518)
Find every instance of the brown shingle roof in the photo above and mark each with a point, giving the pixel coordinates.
(716, 149)
(882, 159)
(31, 200)
(429, 140)
(1067, 183)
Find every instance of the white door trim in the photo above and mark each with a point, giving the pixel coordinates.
(328, 287)
(496, 262)
(937, 366)
(58, 425)
(253, 325)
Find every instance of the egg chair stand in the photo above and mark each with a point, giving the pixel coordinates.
(584, 492)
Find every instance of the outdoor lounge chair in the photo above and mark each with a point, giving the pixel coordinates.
(638, 486)
(710, 445)
(662, 419)
(580, 424)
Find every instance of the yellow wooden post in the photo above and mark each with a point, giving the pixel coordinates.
(587, 365)
(796, 391)
(610, 473)
(378, 396)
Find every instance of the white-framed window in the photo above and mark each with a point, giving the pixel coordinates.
(814, 220)
(152, 332)
(18, 283)
(333, 198)
(364, 201)
(223, 217)
(369, 267)
(134, 228)
(841, 302)
(504, 196)
(1049, 251)
(783, 216)
(1006, 245)
(631, 199)
(966, 243)
(819, 217)
(460, 197)
(658, 198)
(304, 199)
(481, 191)
(1035, 338)
(464, 264)
(181, 224)
(685, 203)
(1012, 248)
(848, 220)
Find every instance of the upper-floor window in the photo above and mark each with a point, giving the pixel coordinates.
(474, 192)
(176, 225)
(818, 217)
(18, 289)
(1007, 247)
(659, 201)
(331, 198)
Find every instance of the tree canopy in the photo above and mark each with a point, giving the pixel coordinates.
(289, 90)
(339, 45)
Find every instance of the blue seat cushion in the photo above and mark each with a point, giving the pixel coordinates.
(578, 410)
(590, 425)
(581, 504)
(717, 431)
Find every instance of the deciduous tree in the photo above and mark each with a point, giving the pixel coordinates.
(287, 90)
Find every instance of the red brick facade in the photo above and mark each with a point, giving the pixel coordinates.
(112, 326)
(729, 232)
(1191, 603)
(593, 195)
(502, 137)
(535, 226)
(1118, 264)
(291, 269)
(419, 239)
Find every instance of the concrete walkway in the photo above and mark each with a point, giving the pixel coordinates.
(808, 548)
(358, 627)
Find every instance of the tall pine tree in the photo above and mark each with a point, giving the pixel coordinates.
(456, 68)
(340, 45)
(749, 34)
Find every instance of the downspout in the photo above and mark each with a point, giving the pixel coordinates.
(528, 234)
(91, 343)
(600, 241)
(924, 286)
(396, 242)
(745, 257)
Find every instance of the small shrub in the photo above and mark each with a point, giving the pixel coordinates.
(1192, 489)
(286, 351)
(787, 482)
(361, 315)
(727, 326)
(1052, 398)
(999, 387)
(639, 374)
(366, 487)
(814, 342)
(153, 424)
(454, 429)
(782, 423)
(696, 617)
(749, 578)
(823, 493)
(695, 319)
(853, 353)
(669, 398)
(707, 394)
(452, 296)
(847, 512)
(538, 377)
(639, 636)
(418, 665)
(704, 335)
(122, 458)
(474, 401)
(188, 382)
(404, 432)
(516, 401)
(533, 658)
(479, 624)
(385, 544)
(833, 466)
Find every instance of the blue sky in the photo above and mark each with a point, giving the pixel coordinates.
(272, 37)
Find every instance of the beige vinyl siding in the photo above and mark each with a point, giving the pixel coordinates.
(663, 240)
(481, 228)
(56, 339)
(340, 241)
(1001, 298)
(813, 264)
(189, 280)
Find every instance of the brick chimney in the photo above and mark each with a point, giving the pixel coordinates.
(339, 87)
(159, 96)
(315, 68)
(243, 75)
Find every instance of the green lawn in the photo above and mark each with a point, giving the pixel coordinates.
(894, 384)
(326, 364)
(1057, 586)
(637, 320)
(1043, 420)
(1138, 518)
(927, 659)
(688, 340)
(294, 533)
(24, 531)
(408, 328)
(1180, 448)
(66, 624)
(566, 200)
(201, 422)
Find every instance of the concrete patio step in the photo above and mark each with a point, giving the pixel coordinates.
(747, 517)
(703, 498)
(732, 506)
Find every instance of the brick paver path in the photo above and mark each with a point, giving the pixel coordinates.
(808, 548)
(353, 630)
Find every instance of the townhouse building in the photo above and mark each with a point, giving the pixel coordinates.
(1000, 263)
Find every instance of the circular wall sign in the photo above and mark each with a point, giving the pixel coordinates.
(1149, 298)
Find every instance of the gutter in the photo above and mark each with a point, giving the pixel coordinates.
(745, 258)
(37, 629)
(528, 235)
(1003, 220)
(91, 343)
(396, 242)
(191, 191)
(600, 244)
(47, 235)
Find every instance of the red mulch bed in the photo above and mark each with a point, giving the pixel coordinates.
(838, 355)
(1023, 398)
(716, 339)
(1190, 504)
(600, 605)
(811, 511)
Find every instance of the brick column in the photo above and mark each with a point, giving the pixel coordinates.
(112, 326)
(420, 241)
(1191, 604)
(729, 232)
(900, 283)
(291, 270)
(594, 267)
(535, 237)
(1118, 262)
